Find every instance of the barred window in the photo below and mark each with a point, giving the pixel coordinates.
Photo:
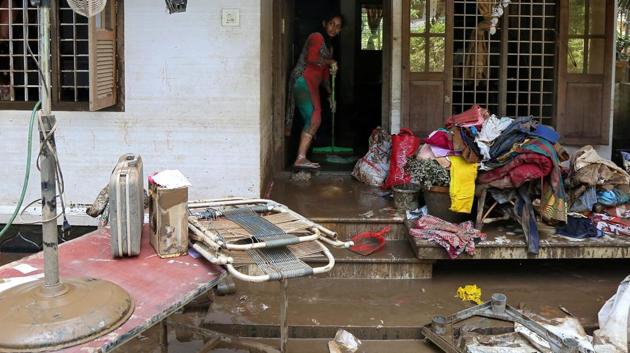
(70, 55)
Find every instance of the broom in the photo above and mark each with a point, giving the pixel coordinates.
(332, 148)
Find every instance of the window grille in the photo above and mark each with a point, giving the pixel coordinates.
(73, 55)
(517, 77)
(19, 79)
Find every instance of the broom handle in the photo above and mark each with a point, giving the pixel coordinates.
(332, 94)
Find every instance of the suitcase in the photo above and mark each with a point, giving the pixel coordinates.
(126, 205)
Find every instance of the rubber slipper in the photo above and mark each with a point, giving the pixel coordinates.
(309, 165)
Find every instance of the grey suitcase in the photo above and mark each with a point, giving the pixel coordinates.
(126, 205)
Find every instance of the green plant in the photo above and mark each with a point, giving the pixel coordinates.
(427, 172)
(622, 45)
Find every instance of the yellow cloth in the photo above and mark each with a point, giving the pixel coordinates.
(462, 186)
(470, 292)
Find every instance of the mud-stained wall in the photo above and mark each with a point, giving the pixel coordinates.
(193, 103)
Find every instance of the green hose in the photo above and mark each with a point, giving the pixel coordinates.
(27, 172)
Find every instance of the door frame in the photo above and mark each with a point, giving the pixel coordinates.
(283, 12)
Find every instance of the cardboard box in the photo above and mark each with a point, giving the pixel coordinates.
(168, 215)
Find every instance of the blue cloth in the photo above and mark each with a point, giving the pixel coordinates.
(579, 228)
(614, 197)
(546, 132)
(525, 210)
(585, 202)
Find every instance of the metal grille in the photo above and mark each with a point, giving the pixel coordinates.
(260, 228)
(73, 55)
(19, 79)
(473, 89)
(531, 59)
(520, 61)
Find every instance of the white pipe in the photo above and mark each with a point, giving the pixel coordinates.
(264, 278)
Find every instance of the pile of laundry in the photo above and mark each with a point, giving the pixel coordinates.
(599, 194)
(521, 164)
(518, 159)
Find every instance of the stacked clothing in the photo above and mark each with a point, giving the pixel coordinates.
(594, 179)
(527, 152)
(611, 225)
(456, 239)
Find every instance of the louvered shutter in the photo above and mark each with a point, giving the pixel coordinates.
(102, 42)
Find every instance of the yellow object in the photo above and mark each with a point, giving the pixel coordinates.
(462, 185)
(470, 292)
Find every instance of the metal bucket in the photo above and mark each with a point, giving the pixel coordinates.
(406, 196)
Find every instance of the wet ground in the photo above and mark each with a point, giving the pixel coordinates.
(385, 314)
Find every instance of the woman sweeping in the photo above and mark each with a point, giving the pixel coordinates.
(314, 67)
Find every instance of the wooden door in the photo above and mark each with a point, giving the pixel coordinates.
(282, 61)
(585, 66)
(426, 63)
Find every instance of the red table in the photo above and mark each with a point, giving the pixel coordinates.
(158, 286)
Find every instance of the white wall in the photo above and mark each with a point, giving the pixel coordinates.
(192, 103)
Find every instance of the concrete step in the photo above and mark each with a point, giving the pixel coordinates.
(348, 227)
(396, 309)
(321, 346)
(395, 261)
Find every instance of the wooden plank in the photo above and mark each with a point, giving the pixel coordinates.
(158, 286)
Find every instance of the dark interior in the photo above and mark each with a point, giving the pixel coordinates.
(358, 82)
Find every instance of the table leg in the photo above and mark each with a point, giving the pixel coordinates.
(284, 327)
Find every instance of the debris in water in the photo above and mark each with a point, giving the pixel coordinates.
(344, 342)
(368, 214)
(469, 292)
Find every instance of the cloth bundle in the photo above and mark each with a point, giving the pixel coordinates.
(456, 239)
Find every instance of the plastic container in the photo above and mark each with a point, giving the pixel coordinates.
(406, 196)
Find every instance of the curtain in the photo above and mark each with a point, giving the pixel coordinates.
(476, 60)
(374, 17)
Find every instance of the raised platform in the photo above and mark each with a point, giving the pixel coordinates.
(349, 207)
(501, 245)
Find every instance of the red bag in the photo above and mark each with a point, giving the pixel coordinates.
(404, 145)
(475, 116)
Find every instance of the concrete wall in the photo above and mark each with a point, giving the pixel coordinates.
(193, 102)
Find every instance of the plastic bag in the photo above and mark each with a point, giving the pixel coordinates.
(373, 167)
(613, 319)
(404, 145)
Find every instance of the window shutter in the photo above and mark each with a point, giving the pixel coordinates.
(102, 42)
(585, 65)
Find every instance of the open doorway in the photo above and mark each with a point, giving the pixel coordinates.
(358, 85)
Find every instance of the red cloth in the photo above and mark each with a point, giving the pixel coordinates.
(524, 167)
(454, 238)
(315, 71)
(440, 138)
(475, 116)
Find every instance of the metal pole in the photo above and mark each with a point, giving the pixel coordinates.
(47, 161)
(284, 326)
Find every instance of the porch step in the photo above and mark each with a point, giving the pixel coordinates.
(501, 245)
(348, 227)
(302, 345)
(395, 261)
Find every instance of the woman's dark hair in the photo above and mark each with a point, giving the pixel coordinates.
(329, 17)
